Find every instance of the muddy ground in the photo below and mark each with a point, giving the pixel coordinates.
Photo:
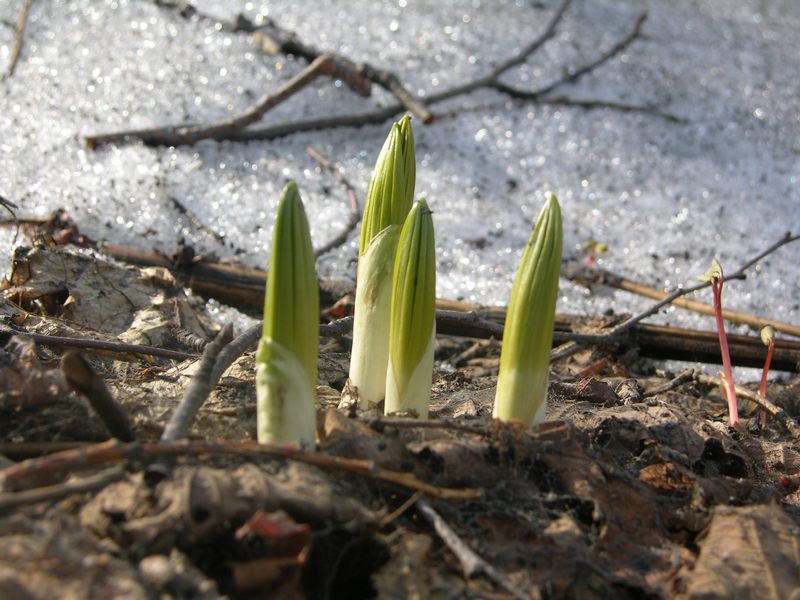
(622, 493)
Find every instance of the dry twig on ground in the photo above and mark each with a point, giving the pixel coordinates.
(355, 211)
(114, 451)
(198, 389)
(80, 375)
(19, 35)
(189, 134)
(119, 348)
(237, 128)
(471, 563)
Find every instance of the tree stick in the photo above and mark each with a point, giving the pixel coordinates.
(51, 493)
(80, 375)
(198, 389)
(585, 69)
(471, 563)
(190, 134)
(355, 211)
(19, 34)
(676, 297)
(114, 451)
(118, 348)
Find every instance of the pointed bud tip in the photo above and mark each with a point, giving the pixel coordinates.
(714, 272)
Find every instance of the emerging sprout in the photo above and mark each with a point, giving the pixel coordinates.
(286, 360)
(768, 339)
(714, 275)
(389, 199)
(528, 333)
(413, 323)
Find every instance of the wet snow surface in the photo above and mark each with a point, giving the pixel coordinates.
(666, 197)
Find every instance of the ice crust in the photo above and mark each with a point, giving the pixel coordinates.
(665, 197)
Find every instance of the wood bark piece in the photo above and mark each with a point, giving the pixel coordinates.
(243, 287)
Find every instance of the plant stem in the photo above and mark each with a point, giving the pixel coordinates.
(733, 408)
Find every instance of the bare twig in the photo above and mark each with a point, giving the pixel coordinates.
(671, 297)
(198, 389)
(573, 76)
(491, 79)
(98, 345)
(775, 411)
(190, 134)
(337, 328)
(52, 493)
(471, 563)
(355, 211)
(19, 33)
(618, 106)
(196, 222)
(273, 38)
(676, 382)
(741, 318)
(399, 511)
(244, 342)
(114, 451)
(10, 206)
(281, 40)
(380, 423)
(80, 375)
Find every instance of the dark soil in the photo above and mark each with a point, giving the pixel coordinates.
(620, 494)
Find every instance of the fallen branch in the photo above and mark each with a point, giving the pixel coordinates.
(198, 389)
(573, 76)
(273, 38)
(355, 211)
(471, 563)
(19, 34)
(680, 292)
(617, 281)
(772, 409)
(114, 451)
(288, 42)
(80, 375)
(51, 493)
(380, 423)
(10, 206)
(674, 383)
(190, 134)
(116, 348)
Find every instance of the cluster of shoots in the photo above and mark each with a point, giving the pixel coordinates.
(395, 309)
(715, 277)
(388, 202)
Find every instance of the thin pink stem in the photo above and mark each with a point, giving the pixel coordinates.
(733, 407)
(762, 390)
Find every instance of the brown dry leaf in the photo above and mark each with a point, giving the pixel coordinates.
(100, 294)
(747, 552)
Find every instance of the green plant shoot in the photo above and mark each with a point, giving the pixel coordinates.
(389, 200)
(528, 333)
(413, 321)
(286, 359)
